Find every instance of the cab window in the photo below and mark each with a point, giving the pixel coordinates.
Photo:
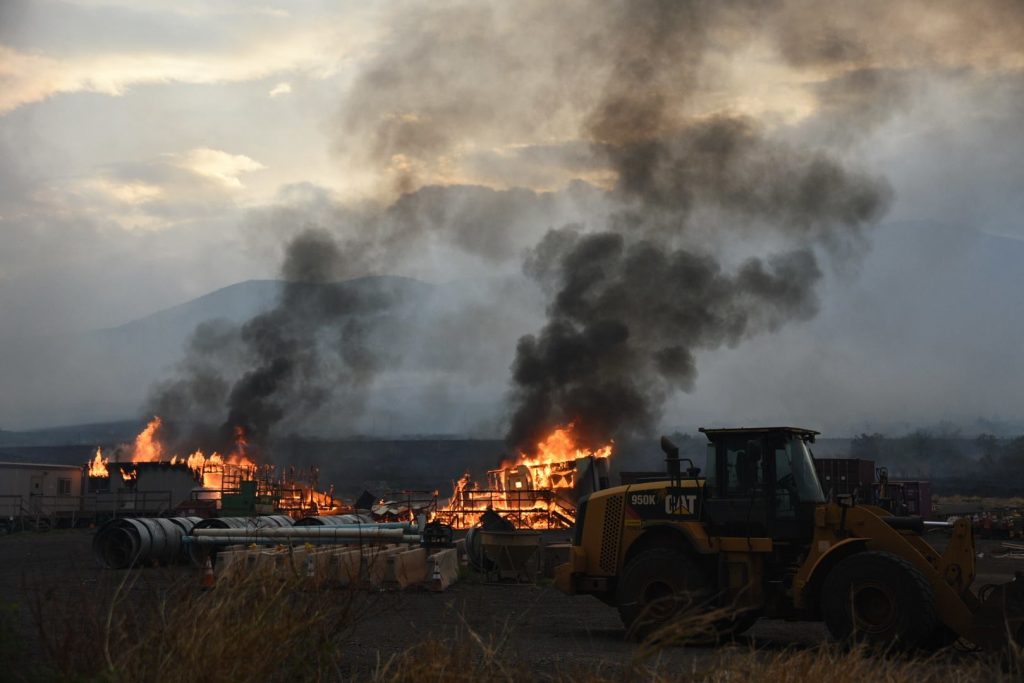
(786, 492)
(744, 467)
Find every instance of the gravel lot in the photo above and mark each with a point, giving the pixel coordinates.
(556, 631)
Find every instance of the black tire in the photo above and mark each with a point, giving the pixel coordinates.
(941, 637)
(654, 587)
(739, 625)
(878, 599)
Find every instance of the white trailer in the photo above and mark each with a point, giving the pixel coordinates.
(39, 495)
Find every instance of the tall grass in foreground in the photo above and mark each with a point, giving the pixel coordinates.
(256, 629)
(261, 629)
(438, 660)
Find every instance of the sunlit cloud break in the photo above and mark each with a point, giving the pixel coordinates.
(26, 78)
(218, 165)
(281, 89)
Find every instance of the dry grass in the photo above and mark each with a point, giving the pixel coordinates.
(468, 660)
(270, 630)
(248, 630)
(470, 657)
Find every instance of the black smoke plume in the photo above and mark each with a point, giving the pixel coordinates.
(634, 301)
(283, 363)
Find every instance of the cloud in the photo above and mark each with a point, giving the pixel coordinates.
(282, 88)
(434, 104)
(31, 74)
(160, 193)
(220, 166)
(126, 192)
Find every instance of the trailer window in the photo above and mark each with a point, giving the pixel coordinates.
(64, 487)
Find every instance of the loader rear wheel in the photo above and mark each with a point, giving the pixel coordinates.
(654, 587)
(878, 599)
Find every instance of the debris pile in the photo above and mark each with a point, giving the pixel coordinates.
(537, 491)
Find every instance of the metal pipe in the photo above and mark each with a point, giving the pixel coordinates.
(272, 521)
(334, 520)
(239, 524)
(357, 525)
(303, 532)
(270, 540)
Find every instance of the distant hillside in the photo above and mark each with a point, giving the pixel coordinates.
(73, 435)
(106, 374)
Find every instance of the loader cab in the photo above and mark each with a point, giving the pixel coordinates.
(761, 482)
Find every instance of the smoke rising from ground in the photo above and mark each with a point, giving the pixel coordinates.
(315, 355)
(633, 302)
(291, 359)
(663, 220)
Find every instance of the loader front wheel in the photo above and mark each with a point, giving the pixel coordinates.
(878, 599)
(654, 587)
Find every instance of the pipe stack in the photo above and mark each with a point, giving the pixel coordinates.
(126, 542)
(241, 525)
(316, 535)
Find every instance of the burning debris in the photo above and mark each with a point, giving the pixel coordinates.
(534, 491)
(209, 470)
(220, 479)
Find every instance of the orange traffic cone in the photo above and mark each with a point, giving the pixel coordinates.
(436, 582)
(208, 581)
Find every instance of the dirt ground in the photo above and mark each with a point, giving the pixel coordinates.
(558, 631)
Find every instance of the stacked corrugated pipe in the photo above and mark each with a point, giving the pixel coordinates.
(127, 542)
(336, 520)
(134, 541)
(199, 554)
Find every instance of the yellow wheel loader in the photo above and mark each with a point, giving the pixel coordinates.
(757, 537)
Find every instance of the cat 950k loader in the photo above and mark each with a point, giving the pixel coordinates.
(756, 536)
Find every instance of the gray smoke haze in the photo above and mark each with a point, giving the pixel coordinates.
(291, 359)
(630, 307)
(456, 76)
(335, 325)
(626, 321)
(642, 282)
(682, 228)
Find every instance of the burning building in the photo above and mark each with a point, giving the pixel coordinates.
(536, 491)
(148, 477)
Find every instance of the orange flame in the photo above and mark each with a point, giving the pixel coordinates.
(535, 490)
(212, 468)
(147, 447)
(98, 465)
(224, 473)
(560, 446)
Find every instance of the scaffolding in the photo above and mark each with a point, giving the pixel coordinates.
(527, 509)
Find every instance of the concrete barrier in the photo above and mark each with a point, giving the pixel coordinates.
(443, 568)
(406, 568)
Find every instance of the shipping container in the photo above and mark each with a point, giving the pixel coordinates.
(917, 496)
(905, 497)
(846, 476)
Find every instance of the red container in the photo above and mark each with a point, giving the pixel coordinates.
(844, 476)
(917, 496)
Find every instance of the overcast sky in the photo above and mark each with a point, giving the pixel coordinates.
(151, 152)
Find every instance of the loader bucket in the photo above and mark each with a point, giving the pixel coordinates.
(1000, 618)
